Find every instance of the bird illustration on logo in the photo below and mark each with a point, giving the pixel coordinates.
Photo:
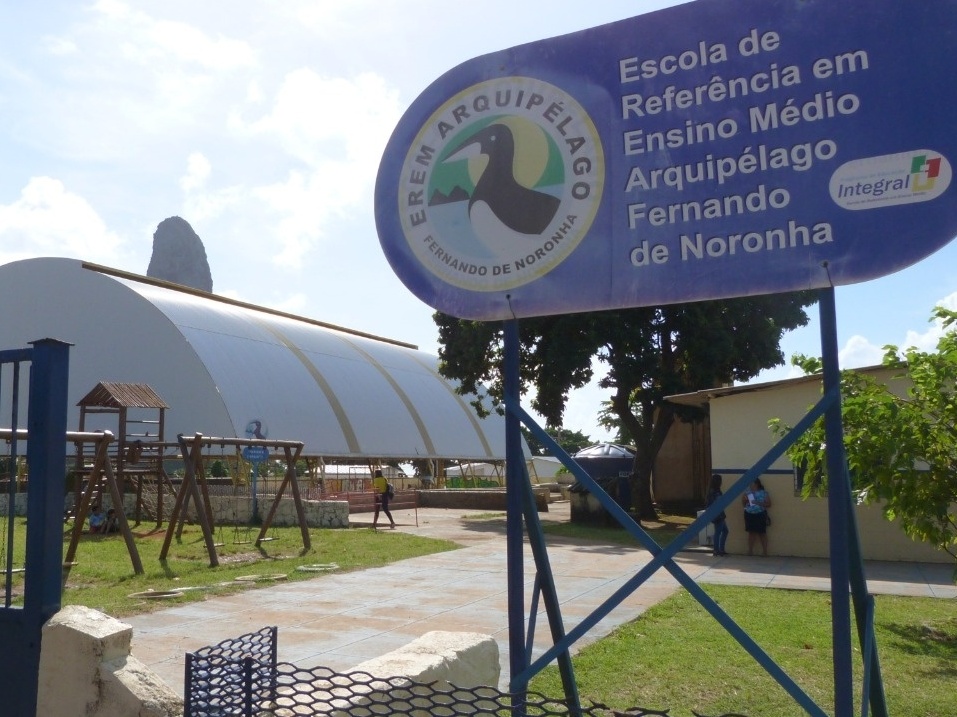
(255, 429)
(508, 161)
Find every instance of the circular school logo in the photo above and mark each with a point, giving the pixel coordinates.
(501, 184)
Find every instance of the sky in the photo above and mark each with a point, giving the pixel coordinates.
(262, 124)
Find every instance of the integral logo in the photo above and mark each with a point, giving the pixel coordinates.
(501, 184)
(890, 180)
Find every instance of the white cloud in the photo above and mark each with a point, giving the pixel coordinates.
(314, 116)
(59, 45)
(202, 203)
(949, 302)
(859, 352)
(155, 42)
(121, 85)
(49, 220)
(198, 169)
(254, 93)
(335, 129)
(199, 206)
(927, 340)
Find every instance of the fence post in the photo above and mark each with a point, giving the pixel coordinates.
(273, 662)
(248, 686)
(46, 456)
(188, 684)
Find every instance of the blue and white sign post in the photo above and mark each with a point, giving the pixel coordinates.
(256, 454)
(712, 150)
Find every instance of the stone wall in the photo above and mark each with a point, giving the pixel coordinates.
(229, 510)
(478, 499)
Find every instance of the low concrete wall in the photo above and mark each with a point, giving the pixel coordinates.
(229, 510)
(478, 499)
(86, 670)
(437, 659)
(464, 659)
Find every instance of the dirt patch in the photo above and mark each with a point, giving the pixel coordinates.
(240, 558)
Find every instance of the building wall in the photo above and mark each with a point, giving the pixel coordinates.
(683, 466)
(740, 436)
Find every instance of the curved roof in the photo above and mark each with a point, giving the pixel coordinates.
(225, 367)
(605, 450)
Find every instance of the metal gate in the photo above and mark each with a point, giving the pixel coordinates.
(32, 567)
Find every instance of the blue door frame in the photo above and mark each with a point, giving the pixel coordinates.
(847, 567)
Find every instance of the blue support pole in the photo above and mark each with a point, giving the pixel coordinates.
(514, 470)
(545, 581)
(838, 508)
(255, 486)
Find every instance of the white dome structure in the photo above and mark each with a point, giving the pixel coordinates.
(225, 367)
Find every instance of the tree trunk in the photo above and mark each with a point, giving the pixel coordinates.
(647, 444)
(648, 432)
(641, 487)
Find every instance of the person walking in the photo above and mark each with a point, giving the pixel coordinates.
(756, 503)
(380, 487)
(720, 521)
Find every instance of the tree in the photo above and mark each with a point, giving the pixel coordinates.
(570, 441)
(649, 353)
(900, 438)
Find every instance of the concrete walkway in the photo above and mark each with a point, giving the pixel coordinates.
(340, 620)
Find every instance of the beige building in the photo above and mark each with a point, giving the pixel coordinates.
(740, 435)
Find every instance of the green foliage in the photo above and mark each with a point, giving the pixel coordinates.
(900, 437)
(647, 353)
(570, 441)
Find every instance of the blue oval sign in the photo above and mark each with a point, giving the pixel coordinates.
(256, 454)
(705, 151)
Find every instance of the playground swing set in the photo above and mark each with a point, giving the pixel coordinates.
(194, 488)
(101, 479)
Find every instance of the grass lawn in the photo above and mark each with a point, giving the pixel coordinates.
(676, 657)
(103, 577)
